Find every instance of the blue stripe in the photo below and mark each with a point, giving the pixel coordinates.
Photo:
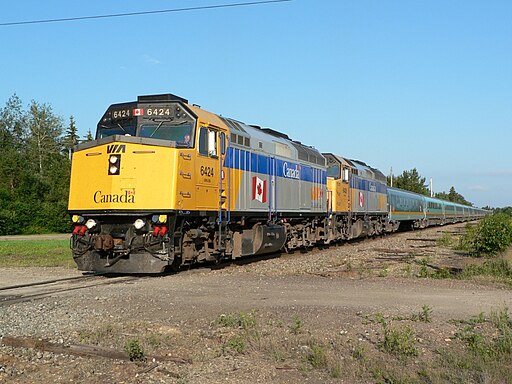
(364, 185)
(258, 163)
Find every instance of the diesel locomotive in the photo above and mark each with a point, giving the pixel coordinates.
(166, 183)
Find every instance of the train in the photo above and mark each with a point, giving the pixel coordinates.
(166, 184)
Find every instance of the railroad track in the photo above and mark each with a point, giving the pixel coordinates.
(33, 291)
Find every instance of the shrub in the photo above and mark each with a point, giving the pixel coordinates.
(134, 350)
(490, 237)
(236, 343)
(242, 320)
(317, 357)
(296, 326)
(400, 342)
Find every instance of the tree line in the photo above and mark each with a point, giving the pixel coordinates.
(412, 181)
(35, 148)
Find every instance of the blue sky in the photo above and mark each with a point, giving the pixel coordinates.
(401, 84)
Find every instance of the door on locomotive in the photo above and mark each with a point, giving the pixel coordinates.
(212, 185)
(272, 206)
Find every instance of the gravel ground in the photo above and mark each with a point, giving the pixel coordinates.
(261, 321)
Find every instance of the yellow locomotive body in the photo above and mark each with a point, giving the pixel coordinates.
(357, 198)
(166, 183)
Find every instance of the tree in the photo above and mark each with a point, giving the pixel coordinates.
(89, 135)
(45, 131)
(13, 132)
(453, 196)
(34, 170)
(13, 127)
(71, 137)
(411, 181)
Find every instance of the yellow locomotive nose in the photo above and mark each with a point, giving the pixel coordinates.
(127, 181)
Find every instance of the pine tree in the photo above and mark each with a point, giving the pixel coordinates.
(71, 137)
(89, 135)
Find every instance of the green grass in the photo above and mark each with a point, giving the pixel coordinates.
(35, 253)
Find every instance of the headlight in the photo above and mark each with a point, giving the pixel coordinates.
(77, 219)
(139, 224)
(114, 164)
(90, 223)
(159, 219)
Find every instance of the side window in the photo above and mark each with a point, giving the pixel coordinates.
(212, 143)
(345, 175)
(203, 141)
(222, 143)
(208, 145)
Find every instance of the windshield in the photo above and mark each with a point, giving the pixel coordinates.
(180, 133)
(115, 129)
(333, 171)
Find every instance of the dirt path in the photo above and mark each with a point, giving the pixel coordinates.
(51, 236)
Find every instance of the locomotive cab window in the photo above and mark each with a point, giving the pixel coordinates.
(333, 171)
(180, 133)
(207, 142)
(123, 129)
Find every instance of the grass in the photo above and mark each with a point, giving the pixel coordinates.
(296, 326)
(35, 253)
(243, 320)
(385, 348)
(496, 268)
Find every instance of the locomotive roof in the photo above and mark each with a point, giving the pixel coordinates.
(363, 169)
(378, 175)
(274, 142)
(251, 136)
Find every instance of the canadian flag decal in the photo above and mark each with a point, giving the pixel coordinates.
(138, 112)
(259, 189)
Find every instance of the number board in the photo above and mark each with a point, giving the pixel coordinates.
(148, 111)
(124, 113)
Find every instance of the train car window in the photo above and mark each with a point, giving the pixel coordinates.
(233, 138)
(247, 142)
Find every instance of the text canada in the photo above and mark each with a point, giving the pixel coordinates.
(128, 197)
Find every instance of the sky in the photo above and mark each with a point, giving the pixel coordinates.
(398, 84)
